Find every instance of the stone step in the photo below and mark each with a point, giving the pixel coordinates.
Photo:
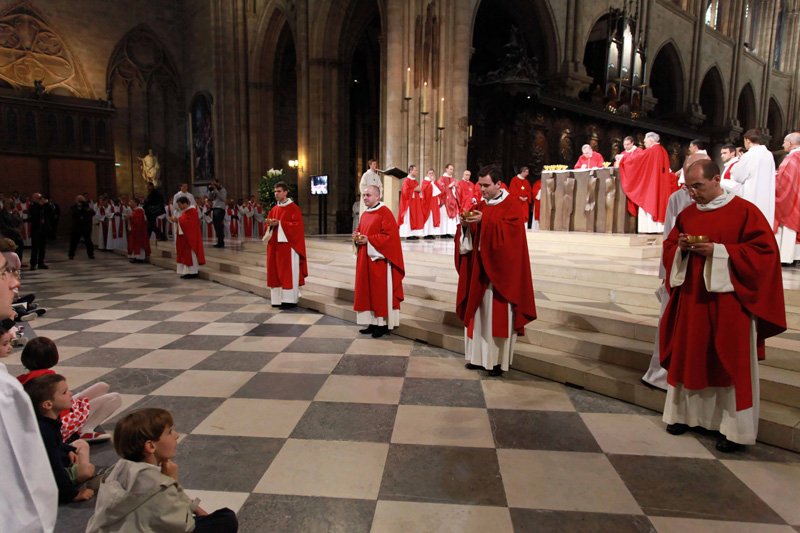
(596, 239)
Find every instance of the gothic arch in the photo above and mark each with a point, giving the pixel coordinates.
(746, 111)
(712, 97)
(144, 86)
(667, 81)
(775, 123)
(31, 49)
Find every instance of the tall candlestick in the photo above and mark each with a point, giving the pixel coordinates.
(440, 115)
(407, 89)
(423, 99)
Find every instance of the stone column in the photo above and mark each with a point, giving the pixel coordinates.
(696, 116)
(763, 110)
(395, 62)
(738, 48)
(572, 69)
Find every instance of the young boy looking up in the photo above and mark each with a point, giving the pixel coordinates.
(50, 395)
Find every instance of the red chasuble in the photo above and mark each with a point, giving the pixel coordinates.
(596, 161)
(138, 239)
(647, 180)
(499, 256)
(520, 187)
(465, 193)
(189, 239)
(382, 233)
(411, 201)
(537, 204)
(705, 337)
(430, 203)
(279, 254)
(787, 192)
(447, 198)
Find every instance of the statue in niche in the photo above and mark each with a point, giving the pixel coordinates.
(611, 196)
(675, 155)
(149, 167)
(565, 146)
(539, 151)
(515, 65)
(594, 139)
(640, 140)
(616, 148)
(38, 88)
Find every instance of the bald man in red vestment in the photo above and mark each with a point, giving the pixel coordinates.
(465, 192)
(286, 249)
(787, 200)
(379, 267)
(725, 299)
(495, 289)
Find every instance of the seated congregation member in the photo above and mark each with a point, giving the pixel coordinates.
(70, 463)
(89, 408)
(188, 240)
(138, 236)
(379, 267)
(725, 299)
(286, 249)
(141, 492)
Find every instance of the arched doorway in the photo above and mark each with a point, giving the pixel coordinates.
(746, 108)
(666, 83)
(775, 124)
(712, 99)
(514, 49)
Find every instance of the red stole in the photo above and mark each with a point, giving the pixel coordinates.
(465, 195)
(705, 337)
(447, 198)
(189, 238)
(382, 233)
(787, 192)
(138, 239)
(647, 180)
(279, 256)
(411, 201)
(233, 215)
(430, 203)
(248, 221)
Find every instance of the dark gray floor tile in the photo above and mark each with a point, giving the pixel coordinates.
(201, 342)
(282, 386)
(187, 412)
(536, 520)
(293, 514)
(74, 324)
(541, 430)
(590, 402)
(219, 308)
(238, 361)
(210, 462)
(137, 380)
(371, 365)
(60, 312)
(449, 392)
(332, 321)
(89, 339)
(277, 330)
(421, 349)
(151, 315)
(677, 486)
(131, 305)
(175, 328)
(346, 421)
(312, 345)
(107, 357)
(246, 318)
(442, 474)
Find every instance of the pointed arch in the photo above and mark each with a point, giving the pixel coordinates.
(667, 81)
(775, 123)
(712, 97)
(746, 111)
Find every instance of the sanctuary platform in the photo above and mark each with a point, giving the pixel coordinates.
(596, 304)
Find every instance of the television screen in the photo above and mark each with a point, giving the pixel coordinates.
(319, 184)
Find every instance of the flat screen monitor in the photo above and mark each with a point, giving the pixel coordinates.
(319, 184)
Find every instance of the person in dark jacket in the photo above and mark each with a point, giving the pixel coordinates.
(41, 216)
(11, 225)
(82, 215)
(154, 208)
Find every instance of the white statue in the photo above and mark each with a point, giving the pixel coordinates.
(149, 167)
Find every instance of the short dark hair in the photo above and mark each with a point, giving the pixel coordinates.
(492, 171)
(43, 389)
(730, 147)
(411, 168)
(182, 200)
(523, 169)
(629, 138)
(136, 428)
(282, 185)
(754, 135)
(697, 142)
(709, 167)
(39, 353)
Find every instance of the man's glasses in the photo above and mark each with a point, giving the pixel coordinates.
(7, 272)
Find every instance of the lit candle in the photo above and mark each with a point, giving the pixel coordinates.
(440, 121)
(407, 91)
(470, 132)
(423, 99)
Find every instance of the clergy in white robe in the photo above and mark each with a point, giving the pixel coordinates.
(755, 172)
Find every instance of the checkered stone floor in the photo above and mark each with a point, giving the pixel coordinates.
(298, 423)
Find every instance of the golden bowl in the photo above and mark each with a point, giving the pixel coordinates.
(697, 239)
(469, 214)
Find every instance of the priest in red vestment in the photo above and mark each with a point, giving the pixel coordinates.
(138, 236)
(448, 205)
(379, 267)
(787, 200)
(495, 289)
(188, 240)
(410, 217)
(648, 182)
(465, 193)
(536, 194)
(725, 299)
(286, 249)
(521, 196)
(430, 206)
(589, 159)
(629, 147)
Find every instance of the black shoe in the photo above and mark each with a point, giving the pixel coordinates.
(495, 371)
(412, 239)
(277, 305)
(218, 245)
(43, 266)
(287, 306)
(368, 329)
(380, 331)
(726, 446)
(185, 276)
(429, 237)
(470, 366)
(677, 429)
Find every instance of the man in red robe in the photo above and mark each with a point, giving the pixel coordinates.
(725, 299)
(787, 200)
(232, 214)
(430, 206)
(188, 240)
(410, 217)
(379, 267)
(495, 288)
(448, 206)
(536, 194)
(520, 190)
(286, 249)
(648, 182)
(138, 236)
(589, 158)
(629, 147)
(465, 193)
